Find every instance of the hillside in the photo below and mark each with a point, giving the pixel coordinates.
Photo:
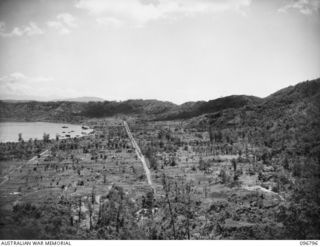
(250, 107)
(41, 111)
(284, 130)
(288, 118)
(150, 109)
(192, 109)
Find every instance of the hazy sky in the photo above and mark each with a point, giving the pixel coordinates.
(176, 50)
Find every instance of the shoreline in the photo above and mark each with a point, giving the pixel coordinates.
(71, 130)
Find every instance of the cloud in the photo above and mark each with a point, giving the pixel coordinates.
(28, 30)
(306, 7)
(140, 12)
(68, 20)
(18, 78)
(64, 23)
(58, 26)
(110, 22)
(21, 86)
(17, 84)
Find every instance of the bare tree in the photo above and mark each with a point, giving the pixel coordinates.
(166, 187)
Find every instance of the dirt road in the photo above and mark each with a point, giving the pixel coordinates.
(139, 153)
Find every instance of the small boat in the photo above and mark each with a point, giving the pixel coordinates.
(15, 193)
(64, 127)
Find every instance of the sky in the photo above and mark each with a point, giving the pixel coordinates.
(172, 50)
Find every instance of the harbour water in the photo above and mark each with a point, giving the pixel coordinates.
(9, 131)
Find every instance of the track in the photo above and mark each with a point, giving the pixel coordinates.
(139, 153)
(35, 158)
(258, 187)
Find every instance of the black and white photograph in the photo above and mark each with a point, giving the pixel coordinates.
(159, 120)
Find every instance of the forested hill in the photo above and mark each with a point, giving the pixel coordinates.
(41, 111)
(151, 109)
(192, 109)
(74, 111)
(285, 127)
(286, 120)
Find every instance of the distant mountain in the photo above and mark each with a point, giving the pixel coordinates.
(82, 99)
